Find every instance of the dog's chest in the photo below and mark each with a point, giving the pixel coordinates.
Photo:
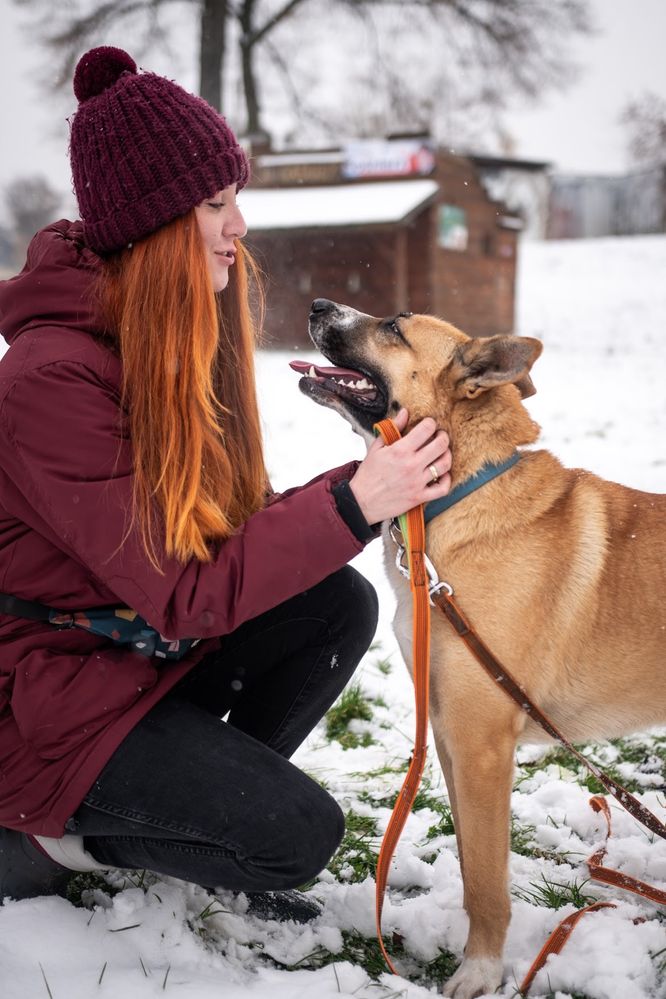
(402, 619)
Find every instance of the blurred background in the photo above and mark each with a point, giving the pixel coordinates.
(402, 151)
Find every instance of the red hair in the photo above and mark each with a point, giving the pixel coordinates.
(188, 390)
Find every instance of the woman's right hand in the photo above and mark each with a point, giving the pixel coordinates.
(393, 479)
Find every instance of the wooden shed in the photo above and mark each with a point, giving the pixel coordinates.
(427, 239)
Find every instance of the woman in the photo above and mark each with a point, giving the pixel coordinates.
(132, 476)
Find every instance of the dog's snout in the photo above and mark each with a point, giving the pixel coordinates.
(321, 305)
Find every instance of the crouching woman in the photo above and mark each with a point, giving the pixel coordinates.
(170, 632)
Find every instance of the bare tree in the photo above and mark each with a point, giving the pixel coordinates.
(31, 204)
(448, 66)
(67, 30)
(251, 36)
(416, 58)
(644, 120)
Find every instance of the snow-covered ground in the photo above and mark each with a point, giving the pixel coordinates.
(600, 307)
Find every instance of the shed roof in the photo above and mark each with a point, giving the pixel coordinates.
(335, 206)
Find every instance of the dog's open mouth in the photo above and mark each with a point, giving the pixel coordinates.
(355, 387)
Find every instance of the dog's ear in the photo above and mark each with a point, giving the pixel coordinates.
(485, 362)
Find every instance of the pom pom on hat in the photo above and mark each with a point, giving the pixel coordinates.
(99, 69)
(144, 151)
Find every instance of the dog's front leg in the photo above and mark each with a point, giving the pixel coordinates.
(447, 769)
(478, 765)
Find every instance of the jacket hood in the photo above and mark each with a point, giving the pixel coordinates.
(55, 288)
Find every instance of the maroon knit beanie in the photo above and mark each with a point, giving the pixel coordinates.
(143, 150)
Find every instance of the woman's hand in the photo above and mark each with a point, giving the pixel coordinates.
(392, 480)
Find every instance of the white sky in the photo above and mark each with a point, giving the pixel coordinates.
(575, 131)
(578, 130)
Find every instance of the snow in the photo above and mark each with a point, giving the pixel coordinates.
(600, 307)
(338, 205)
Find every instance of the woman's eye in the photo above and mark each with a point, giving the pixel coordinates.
(216, 204)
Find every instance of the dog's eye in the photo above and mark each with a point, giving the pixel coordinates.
(392, 326)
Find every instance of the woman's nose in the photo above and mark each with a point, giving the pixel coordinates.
(235, 225)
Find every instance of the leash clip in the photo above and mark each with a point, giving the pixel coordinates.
(435, 584)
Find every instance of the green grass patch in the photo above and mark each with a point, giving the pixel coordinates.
(353, 704)
(649, 753)
(554, 894)
(80, 885)
(522, 839)
(357, 949)
(440, 969)
(356, 857)
(443, 827)
(385, 771)
(384, 666)
(424, 799)
(365, 952)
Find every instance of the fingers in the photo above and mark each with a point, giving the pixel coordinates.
(431, 447)
(392, 480)
(435, 490)
(425, 433)
(401, 419)
(436, 454)
(420, 433)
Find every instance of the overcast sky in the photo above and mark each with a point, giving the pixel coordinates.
(576, 131)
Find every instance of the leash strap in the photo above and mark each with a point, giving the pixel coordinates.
(500, 674)
(413, 529)
(610, 877)
(557, 940)
(598, 872)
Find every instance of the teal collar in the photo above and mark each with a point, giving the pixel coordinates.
(484, 474)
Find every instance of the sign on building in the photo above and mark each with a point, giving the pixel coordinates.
(388, 158)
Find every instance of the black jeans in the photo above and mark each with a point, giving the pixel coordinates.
(217, 802)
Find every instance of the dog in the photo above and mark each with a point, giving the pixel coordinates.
(562, 572)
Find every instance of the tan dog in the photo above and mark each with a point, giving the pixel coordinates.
(562, 573)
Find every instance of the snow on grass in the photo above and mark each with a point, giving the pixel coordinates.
(600, 307)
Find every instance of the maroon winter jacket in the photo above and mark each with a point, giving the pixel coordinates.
(67, 698)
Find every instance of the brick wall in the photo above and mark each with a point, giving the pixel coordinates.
(474, 288)
(357, 268)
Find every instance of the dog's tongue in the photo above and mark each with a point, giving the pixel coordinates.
(307, 368)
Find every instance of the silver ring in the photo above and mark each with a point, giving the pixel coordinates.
(434, 473)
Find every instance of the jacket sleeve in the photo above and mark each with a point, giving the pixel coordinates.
(72, 472)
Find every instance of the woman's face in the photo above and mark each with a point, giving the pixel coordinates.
(220, 224)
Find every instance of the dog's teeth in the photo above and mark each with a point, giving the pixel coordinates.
(312, 373)
(361, 385)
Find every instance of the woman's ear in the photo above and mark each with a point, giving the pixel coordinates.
(485, 362)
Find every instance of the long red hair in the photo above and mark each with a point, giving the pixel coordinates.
(188, 390)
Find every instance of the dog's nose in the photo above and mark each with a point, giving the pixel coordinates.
(322, 305)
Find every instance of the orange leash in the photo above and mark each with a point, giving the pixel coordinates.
(610, 877)
(557, 940)
(598, 872)
(414, 534)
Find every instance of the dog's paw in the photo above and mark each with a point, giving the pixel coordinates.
(476, 976)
